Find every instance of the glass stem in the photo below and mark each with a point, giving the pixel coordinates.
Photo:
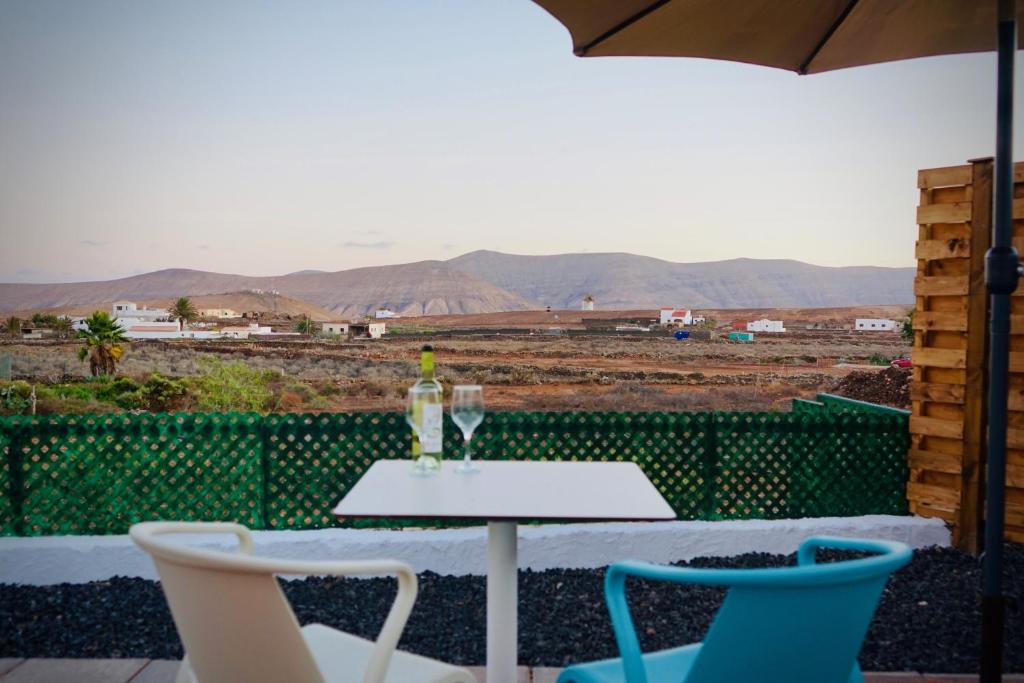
(469, 450)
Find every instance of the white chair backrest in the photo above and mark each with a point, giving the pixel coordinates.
(232, 617)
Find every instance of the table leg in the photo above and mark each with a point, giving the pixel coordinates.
(502, 602)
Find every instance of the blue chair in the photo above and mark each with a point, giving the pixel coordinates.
(802, 624)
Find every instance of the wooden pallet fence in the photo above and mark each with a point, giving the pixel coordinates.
(948, 389)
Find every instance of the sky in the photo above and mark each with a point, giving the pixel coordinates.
(264, 137)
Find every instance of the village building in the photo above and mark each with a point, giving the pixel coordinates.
(129, 310)
(384, 313)
(680, 316)
(588, 302)
(335, 328)
(368, 330)
(765, 325)
(218, 313)
(875, 324)
(245, 331)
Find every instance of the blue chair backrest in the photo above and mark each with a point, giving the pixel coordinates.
(800, 624)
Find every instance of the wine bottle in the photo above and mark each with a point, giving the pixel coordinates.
(432, 417)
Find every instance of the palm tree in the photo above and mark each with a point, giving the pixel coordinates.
(13, 326)
(63, 326)
(306, 326)
(184, 311)
(104, 343)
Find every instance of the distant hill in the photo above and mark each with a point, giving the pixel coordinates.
(628, 281)
(420, 288)
(489, 281)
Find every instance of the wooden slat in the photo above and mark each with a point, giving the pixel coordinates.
(940, 393)
(928, 178)
(1015, 399)
(955, 322)
(930, 250)
(1015, 476)
(937, 496)
(1016, 361)
(924, 510)
(1015, 438)
(937, 462)
(940, 358)
(1014, 515)
(940, 285)
(969, 528)
(957, 212)
(932, 426)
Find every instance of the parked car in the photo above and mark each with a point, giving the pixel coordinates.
(901, 363)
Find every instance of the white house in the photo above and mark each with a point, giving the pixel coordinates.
(676, 315)
(377, 330)
(151, 329)
(337, 328)
(129, 310)
(218, 313)
(765, 325)
(588, 302)
(384, 313)
(245, 331)
(875, 324)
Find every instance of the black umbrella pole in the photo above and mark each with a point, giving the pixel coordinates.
(1001, 274)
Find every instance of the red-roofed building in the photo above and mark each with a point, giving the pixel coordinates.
(683, 316)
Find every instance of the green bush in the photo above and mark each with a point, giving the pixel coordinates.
(231, 386)
(878, 359)
(14, 397)
(162, 394)
(107, 390)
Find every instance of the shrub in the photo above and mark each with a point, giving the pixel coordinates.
(231, 386)
(163, 394)
(105, 390)
(878, 359)
(14, 397)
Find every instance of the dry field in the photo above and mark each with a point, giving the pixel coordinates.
(520, 372)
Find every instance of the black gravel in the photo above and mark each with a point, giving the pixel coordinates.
(928, 619)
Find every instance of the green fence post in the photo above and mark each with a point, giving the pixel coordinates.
(710, 463)
(16, 475)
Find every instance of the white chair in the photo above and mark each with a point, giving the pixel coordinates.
(236, 624)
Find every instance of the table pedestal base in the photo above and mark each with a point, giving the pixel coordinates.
(502, 602)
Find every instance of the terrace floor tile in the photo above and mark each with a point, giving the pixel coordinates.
(78, 670)
(158, 671)
(545, 674)
(8, 663)
(522, 674)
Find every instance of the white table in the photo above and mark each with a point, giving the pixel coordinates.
(503, 493)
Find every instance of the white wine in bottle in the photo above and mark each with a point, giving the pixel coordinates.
(431, 416)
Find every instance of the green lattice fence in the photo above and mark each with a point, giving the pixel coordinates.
(99, 474)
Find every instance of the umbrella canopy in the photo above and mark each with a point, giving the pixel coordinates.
(806, 36)
(812, 36)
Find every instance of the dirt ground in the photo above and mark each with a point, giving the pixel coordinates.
(521, 371)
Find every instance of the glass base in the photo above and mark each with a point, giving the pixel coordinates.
(426, 465)
(467, 468)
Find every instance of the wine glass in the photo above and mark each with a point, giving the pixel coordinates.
(467, 413)
(423, 412)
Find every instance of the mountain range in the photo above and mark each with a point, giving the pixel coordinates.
(490, 281)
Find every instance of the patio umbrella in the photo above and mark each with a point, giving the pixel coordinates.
(812, 36)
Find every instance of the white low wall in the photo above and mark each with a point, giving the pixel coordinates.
(77, 559)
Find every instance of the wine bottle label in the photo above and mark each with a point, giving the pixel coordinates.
(431, 434)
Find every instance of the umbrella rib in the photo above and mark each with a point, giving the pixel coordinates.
(802, 70)
(621, 26)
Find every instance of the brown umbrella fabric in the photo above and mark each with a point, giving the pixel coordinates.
(806, 36)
